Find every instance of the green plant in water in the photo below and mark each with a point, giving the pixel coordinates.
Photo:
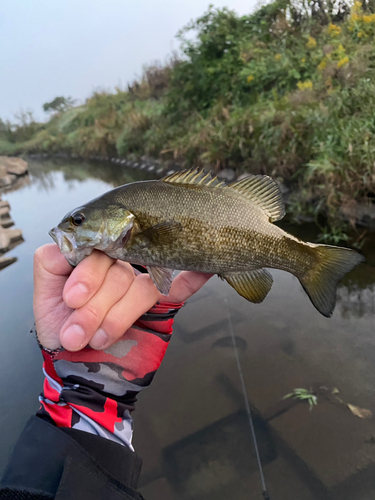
(303, 395)
(329, 395)
(333, 235)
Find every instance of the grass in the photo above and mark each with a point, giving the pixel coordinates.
(287, 91)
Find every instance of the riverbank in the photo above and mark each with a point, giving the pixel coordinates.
(355, 215)
(291, 96)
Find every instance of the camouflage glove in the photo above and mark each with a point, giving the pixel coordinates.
(95, 391)
(91, 384)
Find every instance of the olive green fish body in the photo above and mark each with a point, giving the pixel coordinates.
(222, 233)
(192, 221)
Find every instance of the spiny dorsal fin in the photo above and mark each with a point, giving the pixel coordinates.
(252, 285)
(263, 191)
(194, 176)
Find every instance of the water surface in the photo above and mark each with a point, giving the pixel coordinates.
(191, 426)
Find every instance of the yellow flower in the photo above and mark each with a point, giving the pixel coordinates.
(303, 60)
(277, 57)
(322, 64)
(307, 85)
(342, 62)
(311, 43)
(341, 48)
(366, 19)
(250, 78)
(334, 30)
(356, 12)
(360, 34)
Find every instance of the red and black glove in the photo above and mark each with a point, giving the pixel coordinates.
(95, 391)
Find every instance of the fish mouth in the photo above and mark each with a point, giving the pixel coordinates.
(68, 246)
(65, 242)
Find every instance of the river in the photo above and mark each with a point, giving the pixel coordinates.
(191, 426)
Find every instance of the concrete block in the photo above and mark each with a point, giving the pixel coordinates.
(333, 443)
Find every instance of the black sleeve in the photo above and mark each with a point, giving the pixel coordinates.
(68, 464)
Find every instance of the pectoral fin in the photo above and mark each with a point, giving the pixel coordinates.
(252, 285)
(162, 278)
(163, 233)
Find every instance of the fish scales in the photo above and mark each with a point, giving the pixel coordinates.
(224, 231)
(192, 221)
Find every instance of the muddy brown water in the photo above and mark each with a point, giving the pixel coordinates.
(191, 426)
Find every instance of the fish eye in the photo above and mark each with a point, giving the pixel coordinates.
(78, 219)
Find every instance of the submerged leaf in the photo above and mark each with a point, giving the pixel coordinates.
(360, 412)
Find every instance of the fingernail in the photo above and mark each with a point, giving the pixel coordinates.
(99, 340)
(74, 338)
(77, 294)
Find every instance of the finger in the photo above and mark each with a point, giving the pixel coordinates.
(141, 296)
(51, 270)
(186, 284)
(86, 279)
(84, 322)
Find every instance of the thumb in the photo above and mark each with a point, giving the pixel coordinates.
(51, 270)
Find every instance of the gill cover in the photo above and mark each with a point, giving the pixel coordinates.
(115, 228)
(101, 229)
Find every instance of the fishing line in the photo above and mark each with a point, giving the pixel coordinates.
(247, 405)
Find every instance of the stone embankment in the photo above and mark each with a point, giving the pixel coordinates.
(11, 170)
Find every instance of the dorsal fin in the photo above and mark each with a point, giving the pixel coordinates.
(194, 176)
(264, 192)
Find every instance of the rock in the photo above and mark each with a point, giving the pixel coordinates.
(6, 222)
(360, 213)
(9, 238)
(4, 212)
(11, 169)
(15, 166)
(4, 204)
(228, 174)
(6, 261)
(7, 180)
(5, 219)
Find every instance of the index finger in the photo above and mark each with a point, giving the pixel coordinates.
(86, 279)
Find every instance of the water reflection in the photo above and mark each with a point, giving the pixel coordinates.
(114, 175)
(190, 427)
(356, 292)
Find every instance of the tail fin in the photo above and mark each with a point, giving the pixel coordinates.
(320, 282)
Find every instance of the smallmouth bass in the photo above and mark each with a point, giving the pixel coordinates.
(192, 221)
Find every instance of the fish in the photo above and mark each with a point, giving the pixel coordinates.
(191, 220)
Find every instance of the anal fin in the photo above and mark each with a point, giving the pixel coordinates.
(162, 278)
(252, 285)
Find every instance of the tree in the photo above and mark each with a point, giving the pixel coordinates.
(59, 104)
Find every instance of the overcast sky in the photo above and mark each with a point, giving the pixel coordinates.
(71, 47)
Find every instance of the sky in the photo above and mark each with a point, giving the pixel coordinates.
(73, 47)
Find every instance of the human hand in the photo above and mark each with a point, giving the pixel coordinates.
(96, 302)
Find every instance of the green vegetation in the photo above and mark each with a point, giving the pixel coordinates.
(288, 91)
(58, 104)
